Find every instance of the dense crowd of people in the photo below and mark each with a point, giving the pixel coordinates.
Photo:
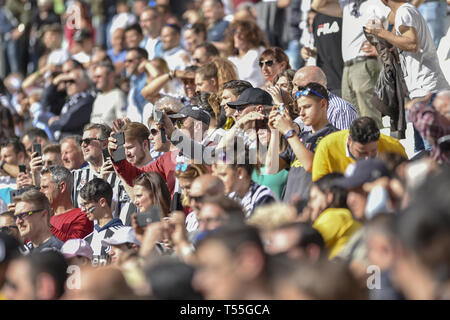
(224, 149)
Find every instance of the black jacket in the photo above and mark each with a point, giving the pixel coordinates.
(390, 89)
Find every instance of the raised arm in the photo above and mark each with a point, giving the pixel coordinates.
(327, 7)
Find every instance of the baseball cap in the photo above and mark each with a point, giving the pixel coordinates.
(251, 96)
(77, 247)
(361, 172)
(121, 236)
(196, 112)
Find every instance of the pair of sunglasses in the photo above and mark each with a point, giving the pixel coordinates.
(268, 63)
(71, 81)
(89, 140)
(181, 167)
(307, 91)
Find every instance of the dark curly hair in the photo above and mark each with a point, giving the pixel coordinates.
(364, 130)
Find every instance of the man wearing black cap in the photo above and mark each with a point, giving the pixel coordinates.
(252, 105)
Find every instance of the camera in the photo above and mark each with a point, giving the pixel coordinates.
(157, 117)
(147, 217)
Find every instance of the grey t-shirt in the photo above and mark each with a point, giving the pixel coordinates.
(51, 244)
(299, 180)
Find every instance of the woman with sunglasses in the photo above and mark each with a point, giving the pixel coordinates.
(273, 61)
(246, 42)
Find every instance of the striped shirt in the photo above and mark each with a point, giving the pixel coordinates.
(101, 252)
(340, 113)
(256, 195)
(86, 174)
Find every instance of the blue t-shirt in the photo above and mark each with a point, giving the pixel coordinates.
(215, 34)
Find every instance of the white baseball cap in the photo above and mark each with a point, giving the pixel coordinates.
(77, 247)
(121, 236)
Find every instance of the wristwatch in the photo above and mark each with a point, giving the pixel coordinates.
(289, 134)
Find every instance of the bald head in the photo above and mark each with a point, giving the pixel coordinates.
(442, 103)
(105, 283)
(207, 185)
(308, 74)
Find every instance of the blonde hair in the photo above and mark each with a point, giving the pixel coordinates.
(272, 216)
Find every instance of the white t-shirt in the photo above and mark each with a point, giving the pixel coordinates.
(108, 107)
(248, 67)
(421, 69)
(352, 26)
(174, 58)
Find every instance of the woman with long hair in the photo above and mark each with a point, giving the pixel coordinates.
(150, 190)
(273, 61)
(246, 42)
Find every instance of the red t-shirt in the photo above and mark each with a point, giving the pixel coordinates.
(72, 224)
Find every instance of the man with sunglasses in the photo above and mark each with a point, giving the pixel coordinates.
(204, 53)
(8, 225)
(95, 139)
(77, 111)
(31, 215)
(361, 66)
(312, 101)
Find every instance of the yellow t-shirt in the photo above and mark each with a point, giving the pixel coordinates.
(336, 225)
(331, 154)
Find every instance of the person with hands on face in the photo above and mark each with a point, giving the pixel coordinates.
(312, 102)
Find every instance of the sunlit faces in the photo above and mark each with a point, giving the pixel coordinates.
(205, 85)
(51, 159)
(228, 96)
(270, 67)
(210, 217)
(71, 155)
(143, 199)
(216, 277)
(9, 156)
(363, 151)
(317, 202)
(92, 152)
(135, 151)
(227, 175)
(311, 109)
(32, 224)
(185, 184)
(169, 38)
(49, 188)
(283, 83)
(356, 202)
(132, 62)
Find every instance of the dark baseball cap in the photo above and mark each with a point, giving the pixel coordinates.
(361, 172)
(251, 96)
(195, 112)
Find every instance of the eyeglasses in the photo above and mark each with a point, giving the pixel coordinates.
(71, 81)
(196, 198)
(25, 215)
(268, 63)
(355, 10)
(307, 91)
(181, 167)
(8, 229)
(209, 220)
(130, 60)
(89, 140)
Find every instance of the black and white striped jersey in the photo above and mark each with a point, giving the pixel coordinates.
(101, 252)
(128, 209)
(256, 195)
(86, 174)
